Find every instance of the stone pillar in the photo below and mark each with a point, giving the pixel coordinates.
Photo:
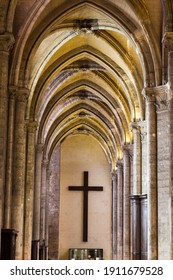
(19, 170)
(9, 164)
(120, 210)
(114, 217)
(151, 173)
(37, 202)
(137, 172)
(43, 206)
(29, 188)
(6, 42)
(126, 204)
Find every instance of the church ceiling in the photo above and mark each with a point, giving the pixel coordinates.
(85, 64)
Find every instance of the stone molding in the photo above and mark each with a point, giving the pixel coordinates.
(6, 42)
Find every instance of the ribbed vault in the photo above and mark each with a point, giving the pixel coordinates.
(85, 64)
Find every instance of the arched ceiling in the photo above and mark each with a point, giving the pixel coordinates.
(85, 64)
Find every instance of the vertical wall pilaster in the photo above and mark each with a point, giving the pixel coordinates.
(126, 203)
(137, 172)
(120, 210)
(37, 201)
(19, 170)
(151, 173)
(9, 164)
(114, 217)
(6, 42)
(47, 212)
(43, 202)
(29, 188)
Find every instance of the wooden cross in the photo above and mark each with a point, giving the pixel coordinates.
(85, 190)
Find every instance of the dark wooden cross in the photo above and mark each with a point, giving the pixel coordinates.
(85, 190)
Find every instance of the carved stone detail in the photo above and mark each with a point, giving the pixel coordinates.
(163, 96)
(160, 95)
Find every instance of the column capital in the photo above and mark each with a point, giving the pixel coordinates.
(45, 163)
(22, 94)
(31, 126)
(135, 127)
(6, 42)
(149, 94)
(114, 174)
(12, 92)
(119, 164)
(127, 148)
(39, 147)
(167, 40)
(163, 95)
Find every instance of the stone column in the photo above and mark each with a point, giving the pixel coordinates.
(37, 201)
(119, 210)
(9, 164)
(126, 203)
(43, 206)
(19, 170)
(151, 173)
(29, 188)
(137, 181)
(6, 42)
(144, 227)
(136, 227)
(114, 216)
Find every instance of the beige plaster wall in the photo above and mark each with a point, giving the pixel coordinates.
(82, 153)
